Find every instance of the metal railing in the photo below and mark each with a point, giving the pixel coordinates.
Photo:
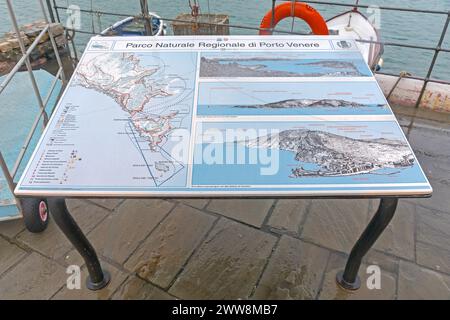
(42, 101)
(428, 78)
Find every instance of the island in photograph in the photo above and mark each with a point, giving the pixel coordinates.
(282, 64)
(306, 152)
(290, 98)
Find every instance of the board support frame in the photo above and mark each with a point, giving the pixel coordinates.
(347, 279)
(98, 278)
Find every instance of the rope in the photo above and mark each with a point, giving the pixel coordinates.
(92, 17)
(195, 8)
(293, 3)
(402, 74)
(99, 21)
(209, 18)
(195, 11)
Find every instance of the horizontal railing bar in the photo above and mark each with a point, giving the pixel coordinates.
(414, 77)
(179, 20)
(22, 60)
(396, 44)
(412, 46)
(365, 6)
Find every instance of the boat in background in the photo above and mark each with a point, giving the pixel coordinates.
(356, 25)
(136, 26)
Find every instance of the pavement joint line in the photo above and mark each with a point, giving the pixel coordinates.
(207, 204)
(200, 243)
(57, 291)
(10, 268)
(113, 263)
(119, 287)
(174, 205)
(415, 233)
(266, 263)
(427, 267)
(103, 207)
(396, 280)
(305, 216)
(238, 221)
(17, 242)
(129, 276)
(180, 201)
(28, 255)
(322, 278)
(269, 213)
(421, 206)
(150, 282)
(390, 255)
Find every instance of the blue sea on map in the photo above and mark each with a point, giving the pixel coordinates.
(290, 98)
(249, 173)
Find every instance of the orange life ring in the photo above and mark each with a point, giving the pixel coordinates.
(301, 10)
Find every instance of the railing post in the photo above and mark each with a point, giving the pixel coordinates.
(433, 61)
(50, 11)
(56, 11)
(27, 60)
(145, 16)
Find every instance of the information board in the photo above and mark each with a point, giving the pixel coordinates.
(218, 116)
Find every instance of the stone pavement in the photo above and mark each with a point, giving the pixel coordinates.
(244, 249)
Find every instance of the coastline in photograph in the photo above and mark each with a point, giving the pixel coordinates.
(281, 64)
(288, 98)
(311, 152)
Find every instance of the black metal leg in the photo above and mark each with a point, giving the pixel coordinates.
(98, 278)
(348, 279)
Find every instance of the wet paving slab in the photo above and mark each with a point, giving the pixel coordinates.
(163, 254)
(227, 265)
(35, 277)
(415, 282)
(398, 238)
(295, 271)
(288, 215)
(368, 290)
(137, 289)
(126, 227)
(336, 224)
(245, 249)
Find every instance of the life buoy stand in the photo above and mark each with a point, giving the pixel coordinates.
(301, 10)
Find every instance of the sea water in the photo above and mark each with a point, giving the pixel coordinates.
(403, 27)
(19, 108)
